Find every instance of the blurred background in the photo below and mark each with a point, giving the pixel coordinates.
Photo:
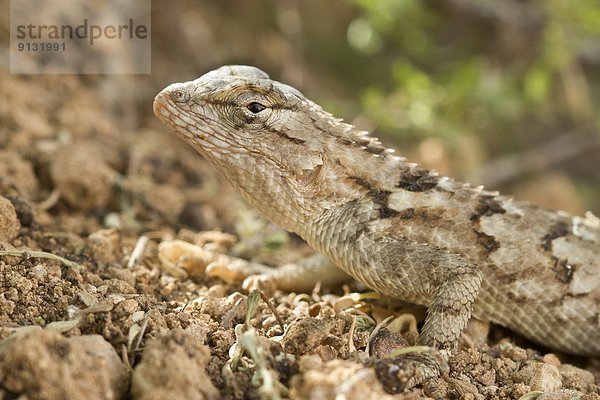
(504, 94)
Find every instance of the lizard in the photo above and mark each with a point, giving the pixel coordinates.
(402, 230)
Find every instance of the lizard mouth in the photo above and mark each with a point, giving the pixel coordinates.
(158, 105)
(161, 107)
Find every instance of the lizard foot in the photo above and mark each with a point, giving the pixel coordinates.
(402, 373)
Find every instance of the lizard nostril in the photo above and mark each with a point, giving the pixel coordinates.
(180, 95)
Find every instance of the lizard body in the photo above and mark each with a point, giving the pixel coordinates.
(402, 230)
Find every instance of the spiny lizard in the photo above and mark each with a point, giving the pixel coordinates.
(400, 229)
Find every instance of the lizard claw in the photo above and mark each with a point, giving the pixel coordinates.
(405, 371)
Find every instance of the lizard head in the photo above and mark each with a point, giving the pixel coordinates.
(239, 110)
(276, 146)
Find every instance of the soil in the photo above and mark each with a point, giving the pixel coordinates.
(87, 176)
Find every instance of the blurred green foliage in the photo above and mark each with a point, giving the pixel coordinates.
(485, 67)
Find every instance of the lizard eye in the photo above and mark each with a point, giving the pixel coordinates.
(255, 107)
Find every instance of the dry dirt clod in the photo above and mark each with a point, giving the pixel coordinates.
(45, 365)
(173, 367)
(104, 246)
(384, 342)
(335, 379)
(308, 334)
(9, 223)
(17, 175)
(83, 178)
(24, 210)
(540, 376)
(576, 378)
(167, 201)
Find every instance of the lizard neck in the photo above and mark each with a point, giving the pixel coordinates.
(270, 193)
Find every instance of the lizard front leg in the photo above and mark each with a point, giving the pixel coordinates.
(444, 282)
(362, 238)
(421, 274)
(450, 308)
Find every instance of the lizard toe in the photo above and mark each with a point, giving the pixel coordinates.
(404, 372)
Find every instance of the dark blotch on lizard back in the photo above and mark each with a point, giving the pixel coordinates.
(380, 197)
(417, 180)
(558, 229)
(386, 212)
(564, 270)
(408, 213)
(62, 350)
(488, 242)
(362, 183)
(487, 206)
(423, 215)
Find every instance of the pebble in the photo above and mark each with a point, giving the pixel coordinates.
(9, 223)
(82, 177)
(43, 364)
(540, 376)
(104, 246)
(173, 367)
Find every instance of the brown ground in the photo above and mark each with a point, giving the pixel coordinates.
(79, 179)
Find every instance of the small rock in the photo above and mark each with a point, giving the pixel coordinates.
(478, 330)
(130, 306)
(560, 395)
(384, 342)
(540, 376)
(167, 200)
(306, 335)
(515, 353)
(9, 223)
(327, 353)
(45, 365)
(576, 378)
(23, 208)
(83, 178)
(122, 274)
(17, 175)
(173, 367)
(104, 246)
(120, 287)
(216, 291)
(335, 379)
(551, 359)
